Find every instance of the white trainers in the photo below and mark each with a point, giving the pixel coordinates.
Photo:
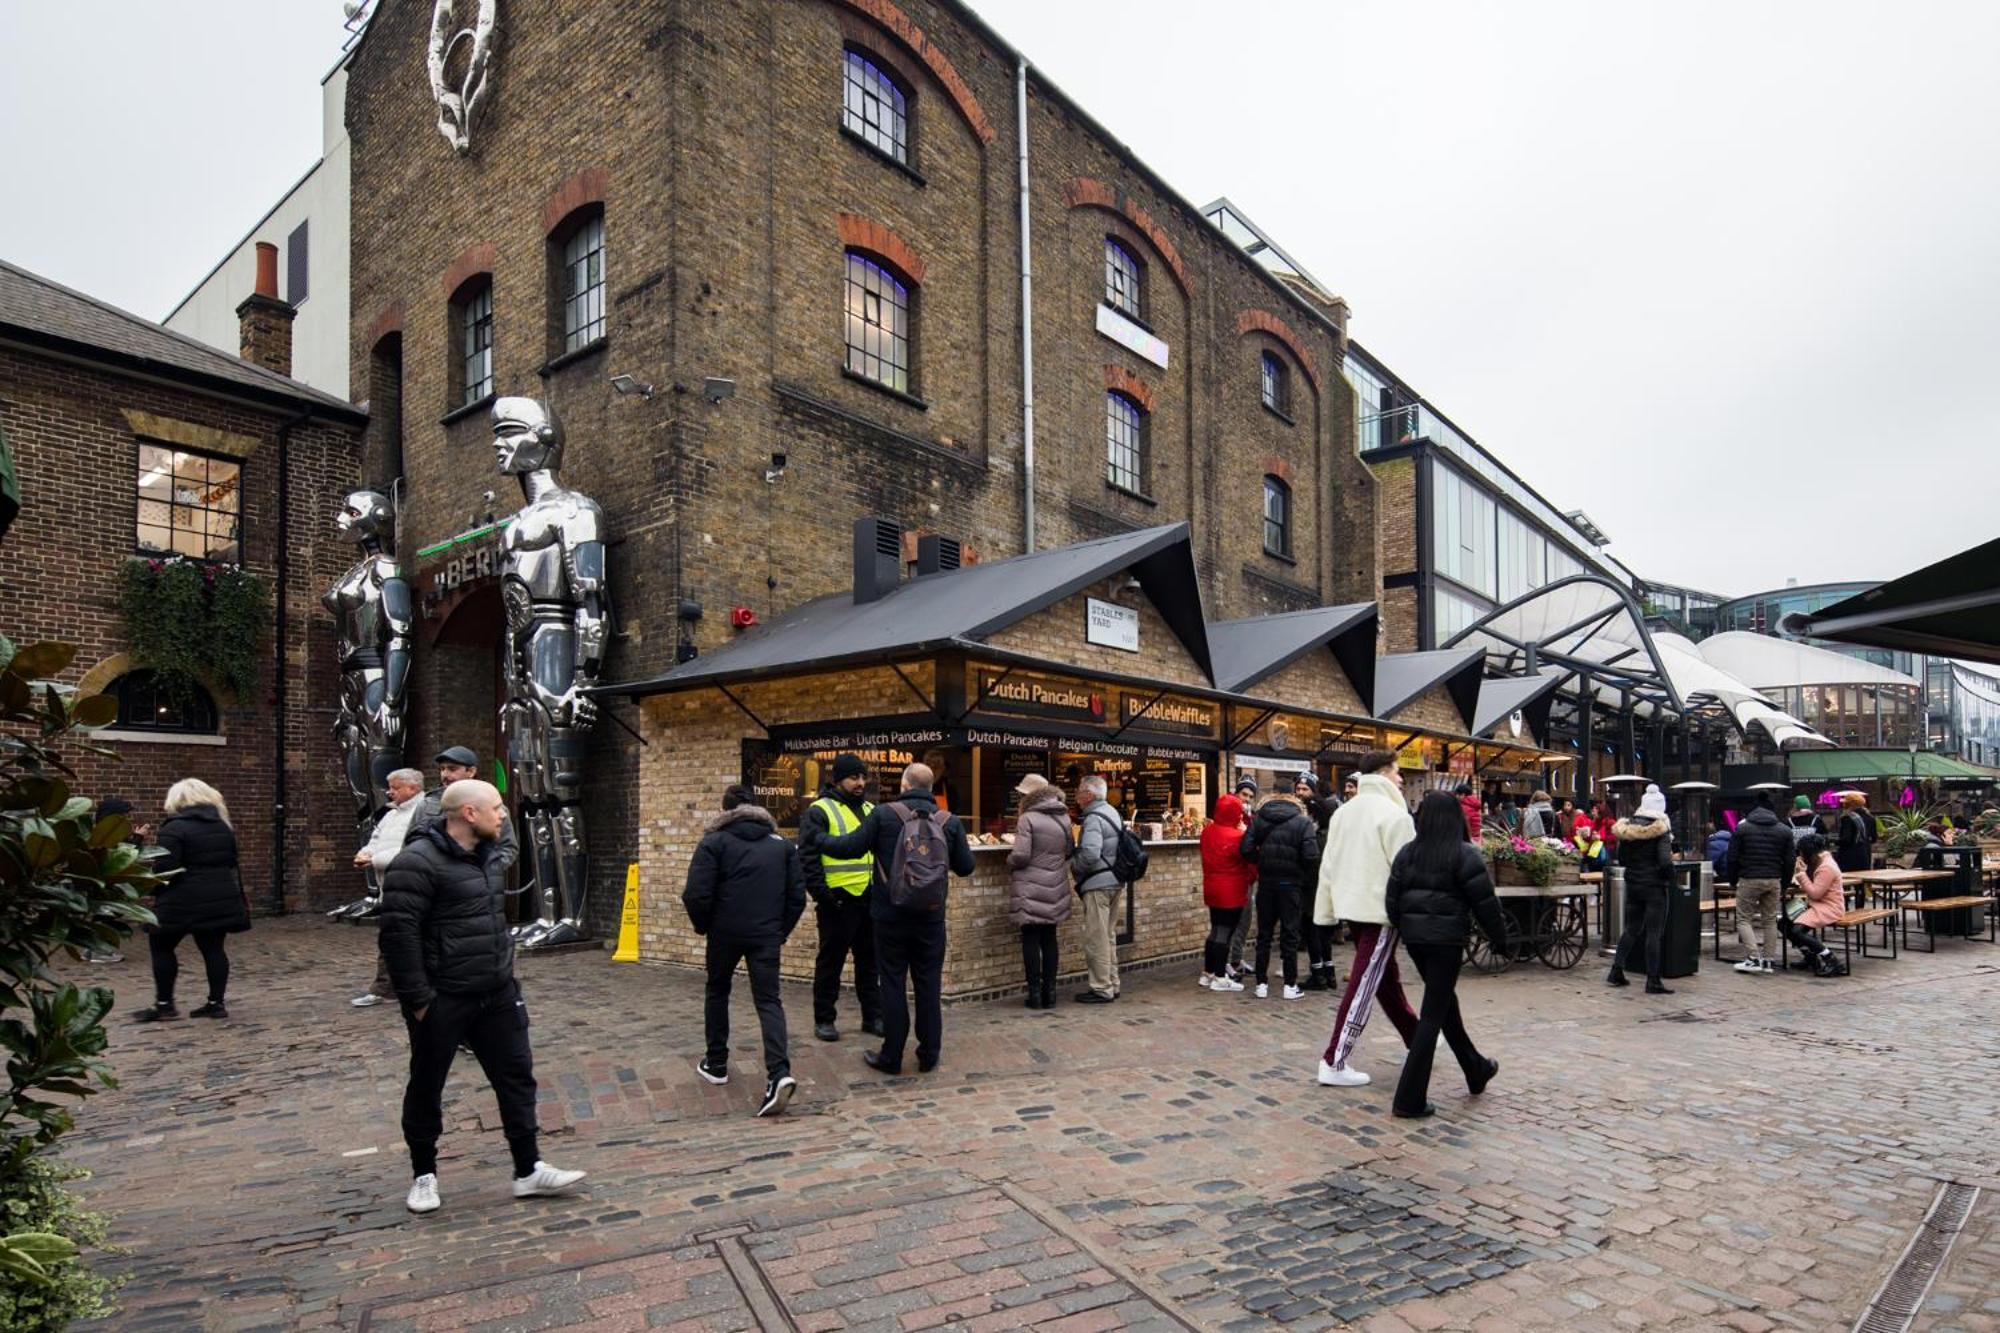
(1767, 967)
(1221, 984)
(366, 1001)
(1294, 993)
(423, 1196)
(1205, 981)
(1329, 1077)
(1754, 963)
(1263, 991)
(545, 1180)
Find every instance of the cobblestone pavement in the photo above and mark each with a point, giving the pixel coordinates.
(1750, 1153)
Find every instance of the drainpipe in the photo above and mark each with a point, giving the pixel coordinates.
(1027, 320)
(279, 794)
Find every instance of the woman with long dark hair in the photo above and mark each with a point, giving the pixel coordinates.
(1437, 884)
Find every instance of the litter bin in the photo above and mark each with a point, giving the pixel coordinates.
(1965, 863)
(1680, 952)
(1611, 908)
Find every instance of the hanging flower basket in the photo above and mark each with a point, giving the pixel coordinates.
(192, 622)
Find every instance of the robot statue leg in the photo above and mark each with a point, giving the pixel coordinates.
(541, 850)
(565, 902)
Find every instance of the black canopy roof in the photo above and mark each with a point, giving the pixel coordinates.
(1535, 695)
(1401, 678)
(1951, 609)
(957, 609)
(1247, 651)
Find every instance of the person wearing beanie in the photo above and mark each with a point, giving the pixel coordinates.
(1318, 939)
(1646, 852)
(1225, 889)
(839, 890)
(1038, 896)
(1761, 860)
(1804, 819)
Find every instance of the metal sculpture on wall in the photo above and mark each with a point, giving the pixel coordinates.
(456, 106)
(554, 592)
(373, 614)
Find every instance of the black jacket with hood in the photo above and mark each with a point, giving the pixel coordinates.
(744, 882)
(1440, 911)
(1283, 844)
(444, 919)
(878, 834)
(1647, 854)
(207, 894)
(1854, 839)
(813, 831)
(1763, 848)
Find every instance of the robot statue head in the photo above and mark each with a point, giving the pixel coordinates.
(527, 437)
(364, 514)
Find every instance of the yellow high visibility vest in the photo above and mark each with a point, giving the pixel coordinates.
(851, 875)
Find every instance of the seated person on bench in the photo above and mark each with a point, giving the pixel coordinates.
(1818, 878)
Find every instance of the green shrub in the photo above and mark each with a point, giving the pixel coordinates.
(34, 1200)
(190, 621)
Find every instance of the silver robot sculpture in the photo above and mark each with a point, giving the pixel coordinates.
(554, 592)
(373, 613)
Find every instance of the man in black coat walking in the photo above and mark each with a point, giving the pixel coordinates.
(744, 893)
(444, 932)
(909, 944)
(1283, 843)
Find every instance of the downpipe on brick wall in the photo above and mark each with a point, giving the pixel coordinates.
(1027, 319)
(279, 793)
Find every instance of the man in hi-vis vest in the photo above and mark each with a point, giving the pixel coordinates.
(839, 890)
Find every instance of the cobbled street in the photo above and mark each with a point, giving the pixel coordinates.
(1749, 1153)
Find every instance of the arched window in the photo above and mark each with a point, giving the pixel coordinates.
(879, 324)
(875, 108)
(1124, 278)
(143, 705)
(578, 291)
(1277, 380)
(1277, 517)
(1125, 443)
(472, 339)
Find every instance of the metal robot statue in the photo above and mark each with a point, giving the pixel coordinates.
(554, 591)
(373, 613)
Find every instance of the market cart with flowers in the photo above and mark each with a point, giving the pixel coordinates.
(1541, 890)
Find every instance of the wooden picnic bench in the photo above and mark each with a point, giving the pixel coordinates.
(1928, 908)
(1718, 906)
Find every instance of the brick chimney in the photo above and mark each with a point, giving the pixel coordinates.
(266, 320)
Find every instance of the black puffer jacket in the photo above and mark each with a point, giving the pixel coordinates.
(444, 919)
(207, 894)
(1428, 910)
(743, 882)
(1647, 854)
(1283, 844)
(1762, 849)
(878, 835)
(1854, 839)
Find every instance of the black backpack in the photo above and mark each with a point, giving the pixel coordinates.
(920, 870)
(1128, 857)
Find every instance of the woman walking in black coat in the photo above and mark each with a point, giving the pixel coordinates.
(203, 898)
(1437, 884)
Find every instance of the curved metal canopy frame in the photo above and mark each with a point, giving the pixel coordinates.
(1636, 667)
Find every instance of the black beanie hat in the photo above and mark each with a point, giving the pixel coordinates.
(848, 766)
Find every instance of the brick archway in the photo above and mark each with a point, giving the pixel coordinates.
(859, 233)
(1083, 192)
(1263, 321)
(959, 93)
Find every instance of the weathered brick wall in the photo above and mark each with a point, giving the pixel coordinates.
(75, 447)
(1056, 635)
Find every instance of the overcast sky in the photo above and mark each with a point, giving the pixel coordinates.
(1724, 275)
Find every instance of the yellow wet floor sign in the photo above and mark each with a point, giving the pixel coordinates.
(628, 920)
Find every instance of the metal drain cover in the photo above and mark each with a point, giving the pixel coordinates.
(1895, 1304)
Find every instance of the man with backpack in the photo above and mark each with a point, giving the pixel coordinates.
(917, 848)
(1108, 858)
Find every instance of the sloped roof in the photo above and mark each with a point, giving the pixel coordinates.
(48, 315)
(1401, 678)
(1950, 609)
(1247, 651)
(961, 608)
(1499, 696)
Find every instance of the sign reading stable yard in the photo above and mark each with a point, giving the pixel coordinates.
(1110, 625)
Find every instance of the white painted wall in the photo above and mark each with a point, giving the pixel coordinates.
(320, 333)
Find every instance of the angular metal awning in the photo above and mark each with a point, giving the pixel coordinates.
(1402, 678)
(956, 609)
(1948, 609)
(1247, 651)
(1500, 697)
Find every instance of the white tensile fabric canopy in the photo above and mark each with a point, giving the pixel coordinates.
(1772, 663)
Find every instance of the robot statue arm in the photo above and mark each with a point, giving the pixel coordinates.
(583, 560)
(398, 617)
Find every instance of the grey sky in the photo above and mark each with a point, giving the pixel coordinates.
(1721, 274)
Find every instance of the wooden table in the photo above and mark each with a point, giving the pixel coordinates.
(1892, 884)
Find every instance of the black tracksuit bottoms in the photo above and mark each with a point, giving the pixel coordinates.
(844, 928)
(911, 950)
(1278, 912)
(1438, 965)
(164, 942)
(494, 1024)
(760, 960)
(1645, 931)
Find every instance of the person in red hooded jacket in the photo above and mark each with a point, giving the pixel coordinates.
(1225, 886)
(1470, 804)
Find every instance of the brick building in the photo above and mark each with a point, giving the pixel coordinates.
(131, 441)
(796, 226)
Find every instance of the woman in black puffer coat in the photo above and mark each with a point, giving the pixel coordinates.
(1437, 884)
(204, 898)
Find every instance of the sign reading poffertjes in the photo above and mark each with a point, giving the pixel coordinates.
(1110, 625)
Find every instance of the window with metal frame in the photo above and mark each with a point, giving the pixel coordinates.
(1125, 443)
(189, 503)
(583, 284)
(1123, 280)
(875, 107)
(1277, 382)
(1277, 517)
(144, 706)
(475, 327)
(878, 323)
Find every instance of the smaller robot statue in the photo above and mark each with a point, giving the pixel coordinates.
(373, 613)
(554, 592)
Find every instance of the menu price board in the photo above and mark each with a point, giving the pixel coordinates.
(1015, 765)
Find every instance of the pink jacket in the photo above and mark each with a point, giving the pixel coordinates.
(1826, 899)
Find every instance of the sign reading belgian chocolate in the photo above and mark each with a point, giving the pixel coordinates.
(1032, 696)
(1110, 625)
(1184, 717)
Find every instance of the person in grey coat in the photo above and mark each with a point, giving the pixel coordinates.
(1038, 896)
(1103, 896)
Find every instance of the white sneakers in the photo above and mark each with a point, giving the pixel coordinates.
(1205, 980)
(1263, 991)
(1294, 993)
(1757, 966)
(1221, 984)
(423, 1197)
(1330, 1077)
(368, 1001)
(545, 1180)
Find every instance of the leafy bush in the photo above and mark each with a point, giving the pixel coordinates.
(190, 621)
(52, 1228)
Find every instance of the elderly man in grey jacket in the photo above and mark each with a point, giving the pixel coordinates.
(1103, 896)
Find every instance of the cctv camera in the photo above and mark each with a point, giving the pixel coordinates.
(778, 460)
